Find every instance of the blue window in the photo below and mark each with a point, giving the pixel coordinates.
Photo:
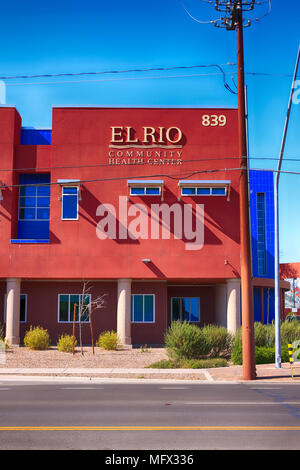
(203, 191)
(142, 308)
(69, 203)
(144, 191)
(185, 309)
(188, 191)
(261, 233)
(68, 303)
(218, 191)
(34, 206)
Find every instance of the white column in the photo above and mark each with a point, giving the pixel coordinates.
(13, 311)
(233, 304)
(123, 312)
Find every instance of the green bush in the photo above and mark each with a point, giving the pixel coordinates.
(65, 343)
(163, 364)
(108, 340)
(289, 331)
(37, 338)
(185, 341)
(189, 364)
(204, 363)
(219, 339)
(263, 354)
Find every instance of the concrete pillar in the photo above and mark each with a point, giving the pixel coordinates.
(221, 305)
(233, 304)
(13, 311)
(123, 312)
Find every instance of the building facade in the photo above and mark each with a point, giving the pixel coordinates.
(136, 207)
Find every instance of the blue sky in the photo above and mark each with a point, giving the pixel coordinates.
(92, 36)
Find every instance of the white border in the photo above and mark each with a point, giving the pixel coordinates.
(143, 322)
(70, 321)
(62, 201)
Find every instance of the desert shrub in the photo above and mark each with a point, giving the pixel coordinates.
(163, 364)
(219, 340)
(37, 338)
(108, 340)
(289, 331)
(3, 341)
(2, 331)
(260, 334)
(65, 343)
(204, 363)
(185, 341)
(263, 354)
(189, 364)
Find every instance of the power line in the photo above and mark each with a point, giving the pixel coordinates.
(69, 82)
(100, 165)
(173, 177)
(153, 69)
(193, 18)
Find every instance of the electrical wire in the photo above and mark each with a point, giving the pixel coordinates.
(68, 82)
(173, 177)
(73, 74)
(195, 19)
(267, 12)
(97, 165)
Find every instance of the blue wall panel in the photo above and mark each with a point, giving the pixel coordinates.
(30, 136)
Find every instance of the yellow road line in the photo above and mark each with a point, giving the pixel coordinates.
(149, 428)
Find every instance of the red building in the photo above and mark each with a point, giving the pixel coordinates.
(141, 203)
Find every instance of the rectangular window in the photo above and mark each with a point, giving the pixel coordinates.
(218, 191)
(185, 309)
(34, 206)
(145, 191)
(67, 303)
(69, 207)
(23, 308)
(261, 233)
(142, 308)
(203, 191)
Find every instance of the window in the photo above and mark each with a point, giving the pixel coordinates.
(145, 188)
(69, 207)
(202, 191)
(142, 308)
(34, 206)
(144, 191)
(204, 188)
(261, 233)
(23, 308)
(185, 309)
(66, 306)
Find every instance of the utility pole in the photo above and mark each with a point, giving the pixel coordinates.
(233, 20)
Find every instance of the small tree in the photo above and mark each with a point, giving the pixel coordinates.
(87, 308)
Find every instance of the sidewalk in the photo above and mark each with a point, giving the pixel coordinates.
(265, 373)
(127, 364)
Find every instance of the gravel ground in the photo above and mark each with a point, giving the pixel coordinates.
(22, 357)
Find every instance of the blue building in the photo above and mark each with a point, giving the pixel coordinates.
(261, 194)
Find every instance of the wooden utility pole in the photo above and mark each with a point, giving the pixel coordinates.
(233, 19)
(249, 371)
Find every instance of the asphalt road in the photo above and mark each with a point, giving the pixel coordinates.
(107, 415)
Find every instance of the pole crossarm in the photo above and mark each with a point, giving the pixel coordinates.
(231, 8)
